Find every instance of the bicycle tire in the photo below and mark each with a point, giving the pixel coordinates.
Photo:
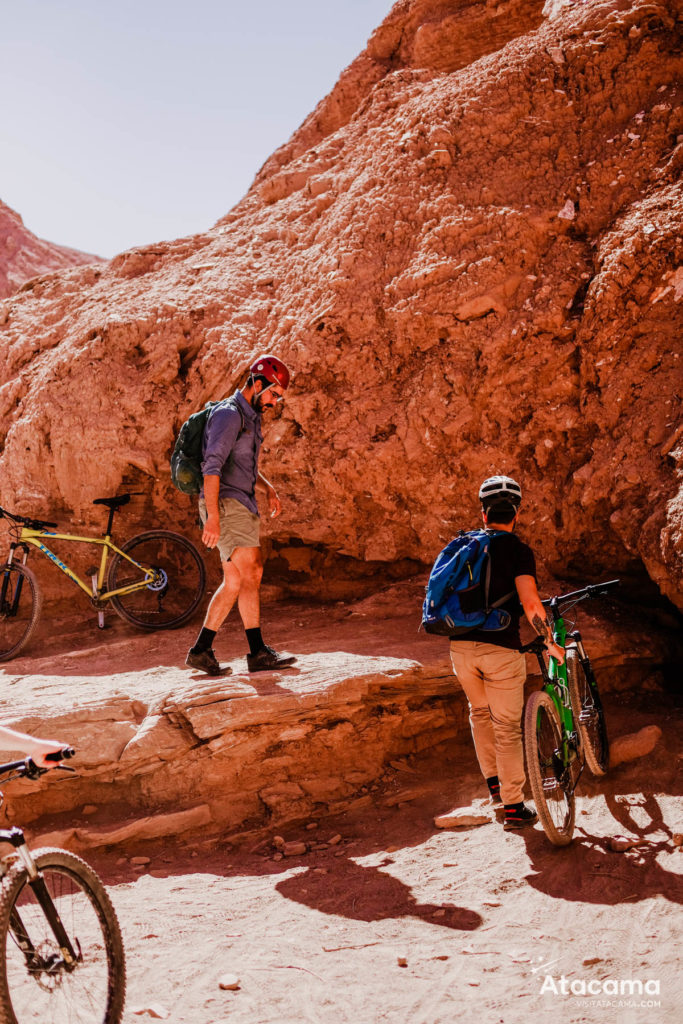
(93, 992)
(159, 605)
(17, 629)
(588, 716)
(542, 739)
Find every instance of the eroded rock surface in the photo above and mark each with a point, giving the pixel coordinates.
(469, 254)
(23, 255)
(182, 754)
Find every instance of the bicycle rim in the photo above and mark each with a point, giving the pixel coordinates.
(179, 584)
(588, 716)
(550, 781)
(20, 605)
(37, 987)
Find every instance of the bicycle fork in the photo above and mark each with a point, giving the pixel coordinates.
(35, 961)
(11, 608)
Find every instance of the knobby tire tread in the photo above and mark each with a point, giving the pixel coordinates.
(12, 885)
(541, 700)
(35, 595)
(576, 679)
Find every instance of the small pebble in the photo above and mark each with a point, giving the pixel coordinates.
(278, 842)
(402, 961)
(439, 913)
(590, 960)
(89, 809)
(334, 840)
(311, 825)
(153, 1010)
(677, 838)
(294, 849)
(140, 860)
(229, 982)
(278, 856)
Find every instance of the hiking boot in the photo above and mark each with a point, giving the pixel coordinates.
(518, 816)
(205, 661)
(268, 659)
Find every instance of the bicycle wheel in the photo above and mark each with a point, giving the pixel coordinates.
(36, 985)
(178, 587)
(550, 780)
(588, 715)
(20, 603)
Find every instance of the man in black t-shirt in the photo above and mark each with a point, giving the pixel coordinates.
(489, 665)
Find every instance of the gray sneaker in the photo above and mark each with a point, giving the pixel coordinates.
(206, 661)
(267, 660)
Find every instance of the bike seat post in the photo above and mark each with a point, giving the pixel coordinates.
(110, 523)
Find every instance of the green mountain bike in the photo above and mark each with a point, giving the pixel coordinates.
(155, 580)
(61, 953)
(564, 722)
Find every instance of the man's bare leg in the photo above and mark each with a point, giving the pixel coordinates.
(248, 563)
(222, 601)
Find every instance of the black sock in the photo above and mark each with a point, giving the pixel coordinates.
(514, 808)
(494, 785)
(255, 640)
(204, 641)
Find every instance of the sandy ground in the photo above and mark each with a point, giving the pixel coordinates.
(482, 917)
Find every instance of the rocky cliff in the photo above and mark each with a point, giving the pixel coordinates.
(469, 254)
(23, 255)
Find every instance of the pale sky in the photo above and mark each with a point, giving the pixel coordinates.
(128, 122)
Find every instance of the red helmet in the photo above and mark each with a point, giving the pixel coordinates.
(272, 368)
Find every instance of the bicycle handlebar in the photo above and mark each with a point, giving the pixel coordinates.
(28, 769)
(61, 755)
(592, 590)
(33, 524)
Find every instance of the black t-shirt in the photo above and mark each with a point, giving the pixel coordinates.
(510, 557)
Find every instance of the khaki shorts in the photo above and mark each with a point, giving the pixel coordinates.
(239, 526)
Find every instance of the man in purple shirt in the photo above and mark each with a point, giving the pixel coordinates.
(228, 510)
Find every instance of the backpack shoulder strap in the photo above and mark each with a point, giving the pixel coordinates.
(487, 577)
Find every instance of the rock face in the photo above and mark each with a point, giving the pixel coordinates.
(24, 256)
(469, 254)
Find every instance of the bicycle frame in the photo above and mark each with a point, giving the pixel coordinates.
(33, 537)
(556, 684)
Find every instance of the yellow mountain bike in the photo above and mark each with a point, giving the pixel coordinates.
(154, 581)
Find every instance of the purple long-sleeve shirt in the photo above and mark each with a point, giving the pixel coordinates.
(231, 455)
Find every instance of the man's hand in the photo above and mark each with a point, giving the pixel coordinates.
(37, 750)
(212, 530)
(556, 651)
(274, 503)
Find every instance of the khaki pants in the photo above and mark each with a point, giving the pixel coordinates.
(493, 680)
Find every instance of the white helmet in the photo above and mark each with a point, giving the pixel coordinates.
(498, 489)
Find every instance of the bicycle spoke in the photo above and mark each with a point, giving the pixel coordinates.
(175, 583)
(40, 984)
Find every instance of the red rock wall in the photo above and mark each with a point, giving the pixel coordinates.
(470, 256)
(24, 256)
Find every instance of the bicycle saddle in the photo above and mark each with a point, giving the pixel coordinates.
(116, 502)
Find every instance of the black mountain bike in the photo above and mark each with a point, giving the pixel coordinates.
(61, 953)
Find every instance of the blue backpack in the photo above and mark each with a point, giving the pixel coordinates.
(457, 599)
